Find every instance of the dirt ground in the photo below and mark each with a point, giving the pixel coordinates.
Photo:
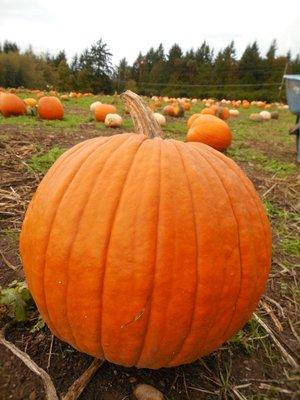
(250, 366)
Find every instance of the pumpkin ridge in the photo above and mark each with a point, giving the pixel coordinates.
(78, 227)
(195, 154)
(253, 290)
(109, 238)
(253, 293)
(52, 223)
(196, 252)
(239, 246)
(250, 189)
(54, 168)
(149, 300)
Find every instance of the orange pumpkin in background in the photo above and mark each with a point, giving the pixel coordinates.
(50, 107)
(11, 105)
(222, 112)
(101, 111)
(208, 110)
(210, 130)
(192, 119)
(143, 251)
(187, 106)
(168, 110)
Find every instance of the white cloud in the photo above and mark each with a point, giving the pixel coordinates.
(130, 26)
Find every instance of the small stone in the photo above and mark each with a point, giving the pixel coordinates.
(132, 379)
(147, 392)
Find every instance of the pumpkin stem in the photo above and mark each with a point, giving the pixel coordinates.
(143, 118)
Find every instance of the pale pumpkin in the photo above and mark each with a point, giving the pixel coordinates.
(113, 120)
(161, 119)
(266, 115)
(94, 105)
(143, 251)
(234, 113)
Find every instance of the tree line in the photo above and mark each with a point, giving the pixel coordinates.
(195, 73)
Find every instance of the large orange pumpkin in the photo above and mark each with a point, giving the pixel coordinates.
(12, 105)
(145, 251)
(101, 111)
(50, 107)
(210, 130)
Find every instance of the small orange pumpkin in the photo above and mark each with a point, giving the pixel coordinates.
(210, 130)
(168, 110)
(50, 107)
(187, 106)
(222, 112)
(12, 105)
(208, 110)
(101, 111)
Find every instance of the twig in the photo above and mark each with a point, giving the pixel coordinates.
(270, 312)
(270, 189)
(294, 331)
(239, 395)
(286, 355)
(203, 390)
(78, 386)
(50, 352)
(277, 389)
(270, 300)
(8, 263)
(47, 381)
(185, 387)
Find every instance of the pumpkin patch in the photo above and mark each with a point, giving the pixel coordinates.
(119, 242)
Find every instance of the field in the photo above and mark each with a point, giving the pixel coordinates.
(258, 363)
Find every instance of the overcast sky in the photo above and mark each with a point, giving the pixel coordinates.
(133, 25)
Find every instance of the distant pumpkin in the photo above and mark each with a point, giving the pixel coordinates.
(113, 120)
(222, 112)
(210, 130)
(168, 110)
(208, 110)
(30, 102)
(274, 115)
(161, 119)
(12, 105)
(192, 119)
(101, 111)
(187, 106)
(234, 113)
(94, 105)
(255, 117)
(50, 108)
(266, 115)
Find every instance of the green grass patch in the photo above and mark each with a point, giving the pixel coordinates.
(291, 246)
(280, 168)
(41, 163)
(11, 233)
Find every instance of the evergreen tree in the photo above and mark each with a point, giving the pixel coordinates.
(250, 65)
(64, 76)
